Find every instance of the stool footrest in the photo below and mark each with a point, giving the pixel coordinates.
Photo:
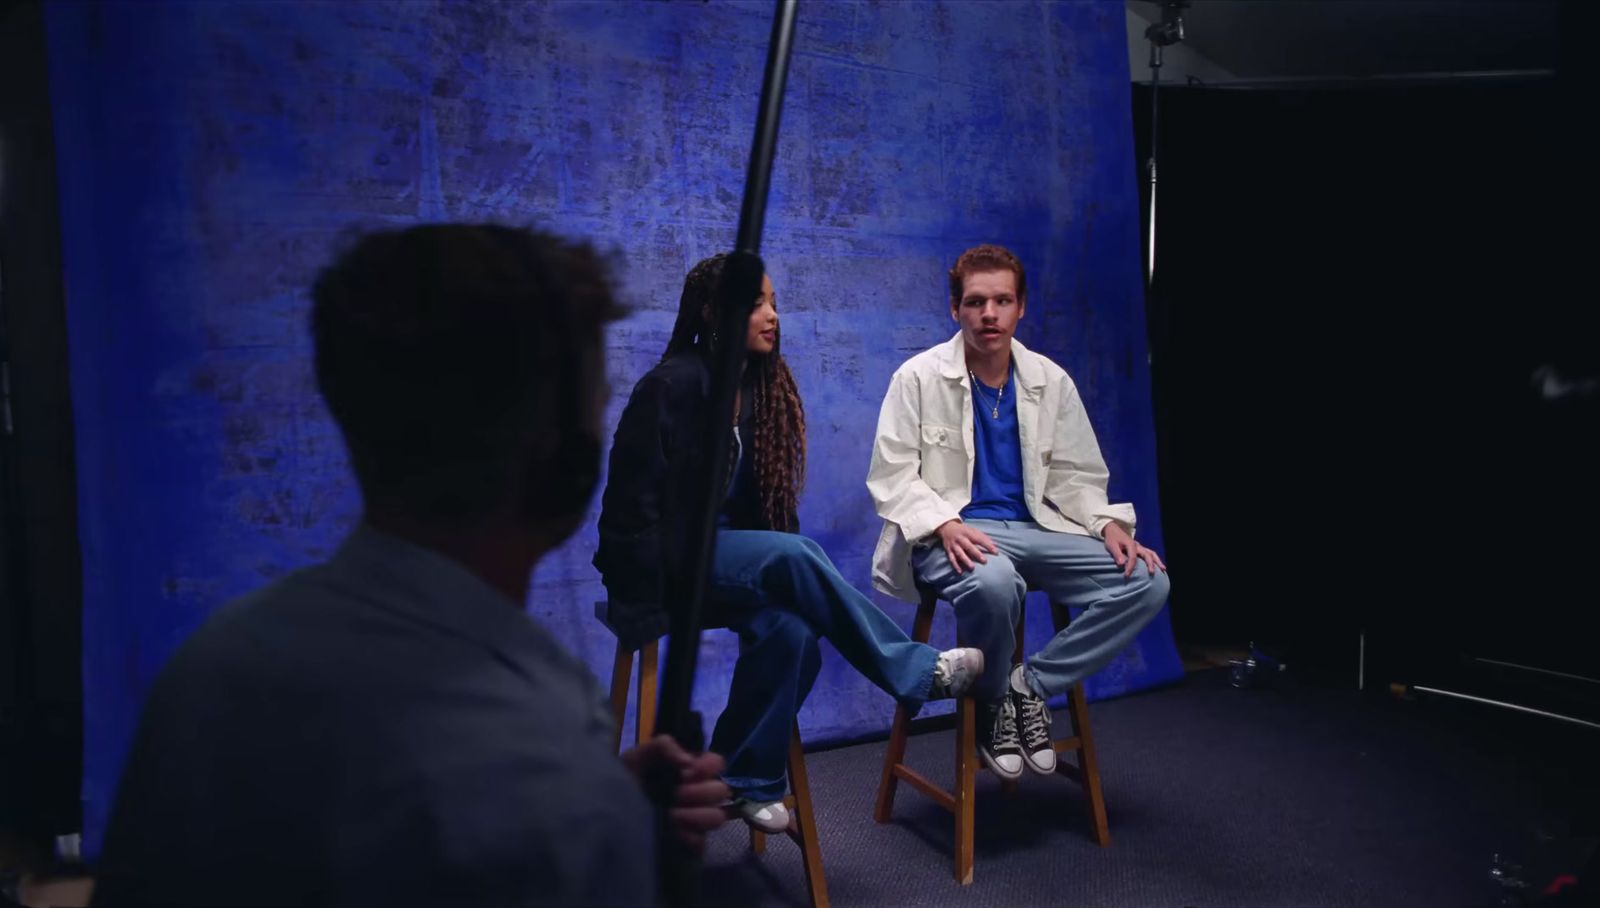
(803, 826)
(961, 800)
(921, 783)
(1064, 744)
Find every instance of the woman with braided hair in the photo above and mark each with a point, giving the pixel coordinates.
(773, 587)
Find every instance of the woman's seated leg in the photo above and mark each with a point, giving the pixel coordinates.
(791, 573)
(778, 663)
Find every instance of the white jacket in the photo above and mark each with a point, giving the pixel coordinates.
(922, 461)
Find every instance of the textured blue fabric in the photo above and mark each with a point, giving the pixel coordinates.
(211, 155)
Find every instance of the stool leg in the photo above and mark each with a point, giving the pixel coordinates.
(1088, 765)
(619, 692)
(806, 821)
(921, 629)
(648, 677)
(922, 625)
(966, 785)
(894, 756)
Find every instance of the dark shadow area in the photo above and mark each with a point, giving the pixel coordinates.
(1375, 373)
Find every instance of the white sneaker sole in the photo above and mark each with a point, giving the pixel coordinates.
(995, 767)
(1028, 761)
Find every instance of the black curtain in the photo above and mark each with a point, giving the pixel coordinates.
(41, 693)
(1360, 293)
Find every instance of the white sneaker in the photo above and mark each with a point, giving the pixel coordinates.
(955, 673)
(767, 816)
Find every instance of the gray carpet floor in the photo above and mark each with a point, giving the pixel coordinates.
(1216, 796)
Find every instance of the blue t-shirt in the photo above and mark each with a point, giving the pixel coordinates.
(997, 472)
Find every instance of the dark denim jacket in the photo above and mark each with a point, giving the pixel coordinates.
(656, 455)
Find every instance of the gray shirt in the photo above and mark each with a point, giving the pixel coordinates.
(384, 729)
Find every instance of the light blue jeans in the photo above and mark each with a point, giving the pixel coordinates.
(780, 593)
(1073, 571)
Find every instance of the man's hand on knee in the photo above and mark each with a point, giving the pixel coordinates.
(965, 545)
(1128, 553)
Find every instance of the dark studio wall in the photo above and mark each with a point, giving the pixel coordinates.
(213, 153)
(1362, 292)
(41, 740)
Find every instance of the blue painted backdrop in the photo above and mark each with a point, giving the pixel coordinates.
(213, 152)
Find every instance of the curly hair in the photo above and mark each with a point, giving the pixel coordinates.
(780, 417)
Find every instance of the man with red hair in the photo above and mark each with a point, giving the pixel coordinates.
(989, 481)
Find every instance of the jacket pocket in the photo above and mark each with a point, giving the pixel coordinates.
(944, 458)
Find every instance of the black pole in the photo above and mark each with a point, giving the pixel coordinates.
(752, 214)
(1167, 32)
(740, 285)
(689, 568)
(1150, 167)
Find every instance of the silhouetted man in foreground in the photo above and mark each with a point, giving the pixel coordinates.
(390, 728)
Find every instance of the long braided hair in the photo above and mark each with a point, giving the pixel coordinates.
(780, 418)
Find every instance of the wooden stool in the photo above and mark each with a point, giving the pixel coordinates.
(803, 828)
(962, 801)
